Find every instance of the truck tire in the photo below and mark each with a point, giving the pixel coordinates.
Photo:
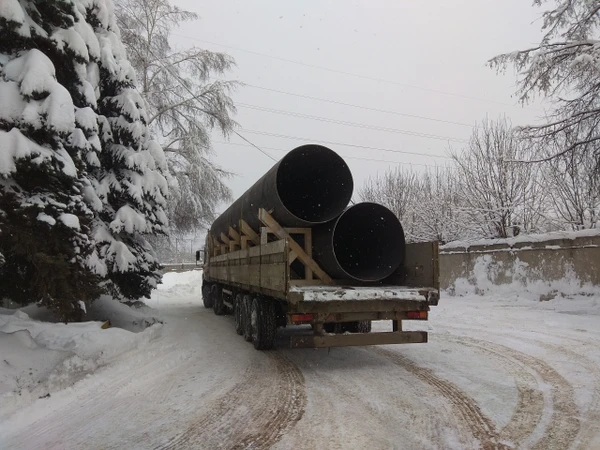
(237, 314)
(217, 298)
(363, 326)
(246, 325)
(333, 328)
(207, 296)
(264, 323)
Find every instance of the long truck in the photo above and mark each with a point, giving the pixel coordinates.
(271, 275)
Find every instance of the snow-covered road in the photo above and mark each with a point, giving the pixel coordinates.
(497, 373)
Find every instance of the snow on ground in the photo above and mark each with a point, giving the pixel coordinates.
(40, 356)
(501, 370)
(184, 288)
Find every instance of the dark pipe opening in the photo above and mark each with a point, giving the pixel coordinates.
(314, 183)
(368, 242)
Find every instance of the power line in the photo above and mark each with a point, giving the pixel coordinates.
(184, 85)
(414, 116)
(346, 157)
(366, 77)
(350, 124)
(178, 78)
(305, 139)
(255, 146)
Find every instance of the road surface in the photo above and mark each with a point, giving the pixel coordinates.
(495, 375)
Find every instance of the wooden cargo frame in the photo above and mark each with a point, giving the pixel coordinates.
(263, 267)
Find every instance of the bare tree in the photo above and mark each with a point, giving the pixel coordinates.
(565, 66)
(185, 102)
(425, 202)
(500, 194)
(396, 190)
(438, 213)
(574, 182)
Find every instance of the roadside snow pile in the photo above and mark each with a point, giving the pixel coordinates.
(39, 358)
(136, 318)
(183, 288)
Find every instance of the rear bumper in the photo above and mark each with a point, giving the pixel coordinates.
(359, 339)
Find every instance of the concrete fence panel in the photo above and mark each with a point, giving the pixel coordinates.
(526, 260)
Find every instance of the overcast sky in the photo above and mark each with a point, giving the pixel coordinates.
(411, 57)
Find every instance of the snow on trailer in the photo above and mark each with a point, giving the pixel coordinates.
(288, 253)
(345, 293)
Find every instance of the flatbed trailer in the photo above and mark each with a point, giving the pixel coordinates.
(268, 279)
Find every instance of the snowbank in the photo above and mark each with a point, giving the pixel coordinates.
(39, 358)
(122, 316)
(184, 288)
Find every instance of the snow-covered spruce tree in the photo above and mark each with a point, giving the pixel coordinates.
(45, 220)
(130, 179)
(81, 183)
(186, 100)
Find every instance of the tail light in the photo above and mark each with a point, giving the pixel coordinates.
(302, 318)
(417, 315)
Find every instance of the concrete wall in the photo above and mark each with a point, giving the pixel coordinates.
(549, 257)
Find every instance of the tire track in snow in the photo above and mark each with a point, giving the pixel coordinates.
(592, 418)
(530, 404)
(254, 413)
(564, 423)
(480, 425)
(291, 396)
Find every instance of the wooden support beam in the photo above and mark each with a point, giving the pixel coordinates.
(292, 257)
(278, 231)
(244, 242)
(297, 230)
(308, 273)
(248, 231)
(224, 239)
(306, 283)
(216, 246)
(264, 235)
(233, 246)
(234, 235)
(223, 249)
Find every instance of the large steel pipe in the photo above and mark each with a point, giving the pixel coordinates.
(310, 185)
(365, 243)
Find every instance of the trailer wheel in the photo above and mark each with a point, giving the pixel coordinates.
(333, 327)
(360, 326)
(245, 313)
(363, 326)
(206, 296)
(264, 323)
(237, 314)
(217, 298)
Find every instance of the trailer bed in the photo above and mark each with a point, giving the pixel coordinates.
(308, 294)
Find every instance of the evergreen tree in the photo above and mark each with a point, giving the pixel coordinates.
(130, 181)
(45, 219)
(80, 182)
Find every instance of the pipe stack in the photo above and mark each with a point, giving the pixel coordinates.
(311, 187)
